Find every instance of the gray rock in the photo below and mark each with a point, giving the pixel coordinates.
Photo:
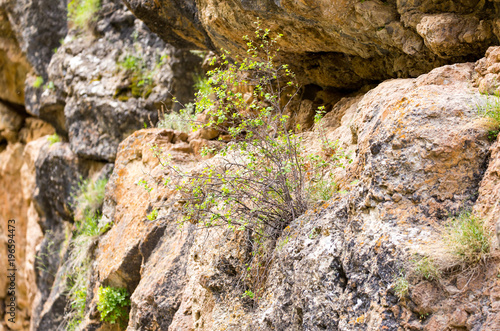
(94, 100)
(39, 26)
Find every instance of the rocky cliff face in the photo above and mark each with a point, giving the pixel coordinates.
(55, 82)
(336, 43)
(420, 153)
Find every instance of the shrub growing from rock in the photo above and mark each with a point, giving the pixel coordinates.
(262, 178)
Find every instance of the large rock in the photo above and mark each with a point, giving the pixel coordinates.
(420, 153)
(20, 143)
(13, 63)
(94, 100)
(335, 43)
(38, 25)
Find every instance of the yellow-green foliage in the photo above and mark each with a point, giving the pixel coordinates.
(401, 286)
(53, 139)
(112, 304)
(81, 12)
(153, 215)
(88, 201)
(425, 267)
(467, 238)
(491, 109)
(38, 82)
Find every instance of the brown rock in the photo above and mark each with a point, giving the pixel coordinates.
(425, 295)
(342, 44)
(458, 318)
(13, 63)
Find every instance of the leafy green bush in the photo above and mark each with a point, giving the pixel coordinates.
(113, 304)
(467, 238)
(82, 12)
(260, 182)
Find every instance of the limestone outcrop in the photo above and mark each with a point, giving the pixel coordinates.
(344, 44)
(420, 153)
(403, 84)
(76, 86)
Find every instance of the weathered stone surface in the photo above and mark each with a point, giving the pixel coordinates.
(341, 43)
(13, 63)
(10, 123)
(94, 100)
(419, 153)
(38, 26)
(17, 184)
(487, 75)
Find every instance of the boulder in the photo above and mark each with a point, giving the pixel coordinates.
(343, 44)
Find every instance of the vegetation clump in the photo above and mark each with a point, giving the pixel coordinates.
(491, 109)
(181, 121)
(88, 201)
(38, 82)
(153, 215)
(82, 12)
(468, 239)
(112, 304)
(425, 267)
(401, 286)
(52, 139)
(141, 78)
(263, 176)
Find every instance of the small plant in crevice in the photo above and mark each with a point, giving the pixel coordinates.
(113, 304)
(425, 267)
(38, 82)
(140, 76)
(401, 286)
(468, 239)
(82, 12)
(89, 198)
(181, 121)
(153, 215)
(89, 225)
(49, 86)
(490, 108)
(263, 177)
(52, 139)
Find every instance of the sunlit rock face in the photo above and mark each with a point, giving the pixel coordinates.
(341, 43)
(420, 152)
